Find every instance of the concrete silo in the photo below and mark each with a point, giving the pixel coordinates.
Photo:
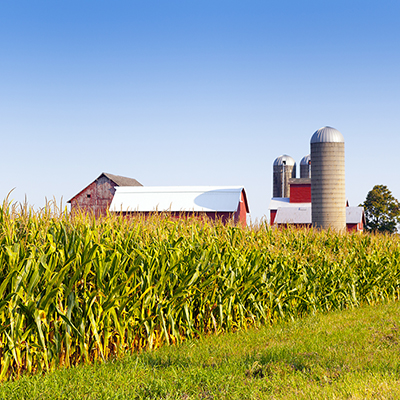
(284, 169)
(305, 167)
(328, 197)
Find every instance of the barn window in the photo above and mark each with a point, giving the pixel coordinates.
(88, 196)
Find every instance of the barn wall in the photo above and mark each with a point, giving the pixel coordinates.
(96, 197)
(300, 193)
(352, 227)
(223, 216)
(355, 227)
(298, 226)
(272, 216)
(241, 213)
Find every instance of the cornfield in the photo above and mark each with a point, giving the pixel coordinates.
(76, 289)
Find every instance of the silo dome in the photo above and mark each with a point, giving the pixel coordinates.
(285, 158)
(305, 160)
(327, 134)
(305, 167)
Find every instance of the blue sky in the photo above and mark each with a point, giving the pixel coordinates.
(194, 92)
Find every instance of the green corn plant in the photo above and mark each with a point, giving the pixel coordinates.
(76, 289)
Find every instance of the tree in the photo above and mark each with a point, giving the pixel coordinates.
(382, 210)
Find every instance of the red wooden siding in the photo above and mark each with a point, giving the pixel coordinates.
(95, 198)
(272, 216)
(224, 217)
(240, 215)
(300, 192)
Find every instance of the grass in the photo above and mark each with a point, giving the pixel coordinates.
(352, 354)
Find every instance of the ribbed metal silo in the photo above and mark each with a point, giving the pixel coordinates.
(305, 167)
(284, 169)
(328, 197)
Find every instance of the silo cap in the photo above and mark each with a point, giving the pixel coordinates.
(284, 159)
(326, 135)
(305, 160)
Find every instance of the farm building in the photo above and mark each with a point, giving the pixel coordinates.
(214, 202)
(318, 197)
(296, 209)
(97, 196)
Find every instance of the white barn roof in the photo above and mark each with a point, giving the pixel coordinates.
(293, 215)
(281, 202)
(354, 215)
(177, 198)
(300, 214)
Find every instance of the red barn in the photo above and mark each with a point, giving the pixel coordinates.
(296, 209)
(97, 196)
(215, 202)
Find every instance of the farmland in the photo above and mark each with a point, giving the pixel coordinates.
(350, 354)
(76, 289)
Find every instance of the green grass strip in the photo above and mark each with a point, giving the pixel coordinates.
(352, 354)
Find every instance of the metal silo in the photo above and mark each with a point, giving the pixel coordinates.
(305, 167)
(328, 197)
(284, 169)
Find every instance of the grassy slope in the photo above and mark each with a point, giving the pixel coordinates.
(342, 355)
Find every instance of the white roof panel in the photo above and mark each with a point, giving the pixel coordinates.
(293, 215)
(300, 214)
(177, 198)
(279, 202)
(354, 215)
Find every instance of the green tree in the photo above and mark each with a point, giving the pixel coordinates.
(382, 210)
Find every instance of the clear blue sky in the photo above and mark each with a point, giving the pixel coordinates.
(194, 92)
